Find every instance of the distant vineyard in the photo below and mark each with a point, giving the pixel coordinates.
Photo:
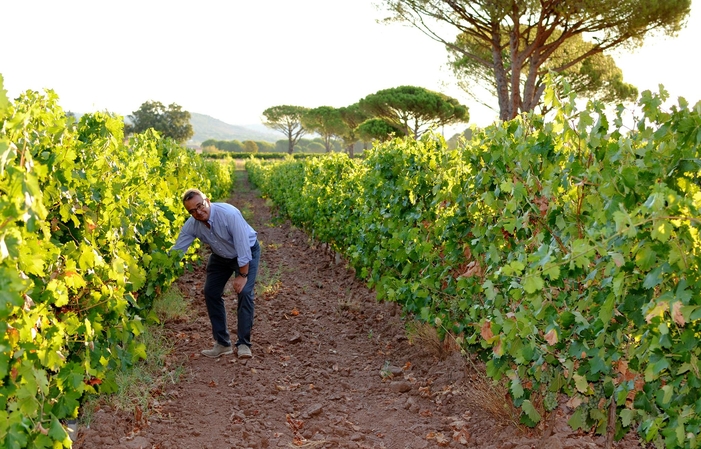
(86, 220)
(564, 252)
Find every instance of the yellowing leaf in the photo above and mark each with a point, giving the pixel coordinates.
(676, 311)
(499, 348)
(662, 232)
(618, 259)
(551, 337)
(658, 310)
(580, 382)
(486, 331)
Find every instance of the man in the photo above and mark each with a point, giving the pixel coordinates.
(235, 249)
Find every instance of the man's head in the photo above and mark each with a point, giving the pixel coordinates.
(197, 204)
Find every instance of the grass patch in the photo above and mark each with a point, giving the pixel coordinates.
(141, 385)
(478, 390)
(267, 281)
(426, 336)
(171, 305)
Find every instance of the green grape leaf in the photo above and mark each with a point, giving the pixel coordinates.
(530, 411)
(662, 231)
(645, 258)
(516, 388)
(56, 431)
(627, 417)
(552, 271)
(533, 283)
(653, 278)
(577, 420)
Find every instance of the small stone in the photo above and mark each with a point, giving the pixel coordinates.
(314, 410)
(395, 370)
(295, 338)
(138, 442)
(400, 386)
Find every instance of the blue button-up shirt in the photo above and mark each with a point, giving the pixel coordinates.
(229, 235)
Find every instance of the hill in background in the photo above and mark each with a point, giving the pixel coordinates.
(206, 127)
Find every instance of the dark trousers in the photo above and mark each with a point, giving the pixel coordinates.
(219, 271)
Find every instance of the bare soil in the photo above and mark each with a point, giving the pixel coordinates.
(332, 368)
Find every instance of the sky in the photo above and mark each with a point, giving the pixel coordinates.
(232, 59)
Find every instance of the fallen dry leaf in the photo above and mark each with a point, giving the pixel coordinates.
(574, 402)
(442, 440)
(461, 436)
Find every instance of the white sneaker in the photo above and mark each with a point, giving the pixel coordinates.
(244, 351)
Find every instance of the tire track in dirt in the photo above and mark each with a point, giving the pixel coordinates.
(332, 368)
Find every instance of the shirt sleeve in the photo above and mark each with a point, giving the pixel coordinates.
(185, 238)
(239, 236)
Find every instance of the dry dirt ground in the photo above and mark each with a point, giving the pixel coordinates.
(332, 368)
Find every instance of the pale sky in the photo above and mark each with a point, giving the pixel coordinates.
(232, 59)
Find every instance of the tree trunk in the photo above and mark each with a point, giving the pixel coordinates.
(291, 145)
(516, 64)
(502, 85)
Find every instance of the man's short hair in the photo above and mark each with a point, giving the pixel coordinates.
(190, 193)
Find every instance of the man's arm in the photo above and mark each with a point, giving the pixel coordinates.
(238, 230)
(185, 238)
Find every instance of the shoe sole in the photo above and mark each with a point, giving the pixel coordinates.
(215, 356)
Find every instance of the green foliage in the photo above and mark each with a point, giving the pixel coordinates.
(513, 42)
(316, 145)
(171, 121)
(236, 146)
(250, 146)
(224, 145)
(353, 116)
(260, 156)
(325, 121)
(566, 253)
(594, 77)
(85, 224)
(413, 109)
(288, 120)
(378, 129)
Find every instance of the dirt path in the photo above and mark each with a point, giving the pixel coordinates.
(332, 368)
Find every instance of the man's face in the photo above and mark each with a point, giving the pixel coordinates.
(198, 207)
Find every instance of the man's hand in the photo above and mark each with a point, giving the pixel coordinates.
(239, 283)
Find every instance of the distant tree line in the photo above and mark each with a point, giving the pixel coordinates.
(400, 111)
(316, 145)
(247, 146)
